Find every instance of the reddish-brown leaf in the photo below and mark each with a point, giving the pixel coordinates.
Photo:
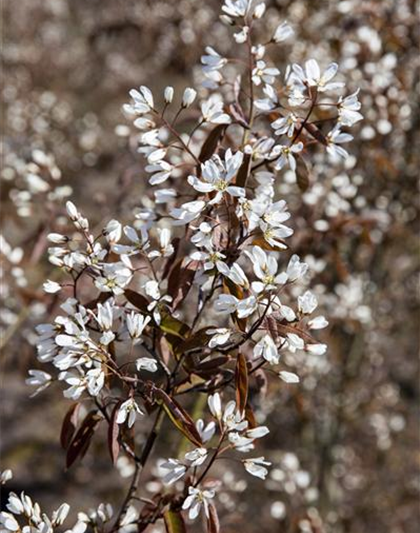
(113, 434)
(179, 417)
(237, 113)
(213, 524)
(171, 259)
(243, 172)
(302, 174)
(136, 299)
(210, 144)
(80, 443)
(241, 382)
(180, 281)
(174, 522)
(316, 133)
(69, 425)
(284, 329)
(198, 339)
(250, 417)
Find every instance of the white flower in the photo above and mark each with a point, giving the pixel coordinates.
(287, 155)
(258, 432)
(163, 196)
(60, 514)
(289, 377)
(206, 432)
(212, 111)
(215, 405)
(188, 211)
(57, 238)
(263, 73)
(138, 243)
(233, 420)
(161, 170)
(113, 231)
(165, 247)
(319, 322)
(5, 476)
(256, 467)
(38, 378)
(236, 274)
(168, 94)
(265, 268)
(285, 125)
(116, 276)
(219, 337)
(93, 382)
(267, 349)
(142, 101)
(196, 457)
(136, 324)
(282, 33)
(176, 470)
(259, 11)
(212, 60)
(227, 303)
(9, 522)
(152, 289)
(236, 8)
(129, 409)
(147, 363)
(51, 287)
(334, 138)
(188, 97)
(294, 342)
(216, 176)
(275, 235)
(195, 500)
(313, 77)
(316, 349)
(212, 259)
(270, 102)
(247, 306)
(241, 36)
(72, 210)
(14, 504)
(296, 269)
(307, 303)
(348, 109)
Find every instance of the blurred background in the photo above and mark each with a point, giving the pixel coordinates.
(344, 443)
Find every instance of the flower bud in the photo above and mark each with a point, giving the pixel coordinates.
(168, 94)
(57, 238)
(72, 211)
(188, 97)
(259, 11)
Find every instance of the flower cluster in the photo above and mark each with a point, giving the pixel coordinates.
(197, 293)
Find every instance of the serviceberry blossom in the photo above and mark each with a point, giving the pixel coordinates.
(196, 500)
(197, 295)
(217, 175)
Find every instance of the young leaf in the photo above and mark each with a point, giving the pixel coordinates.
(69, 425)
(213, 524)
(210, 144)
(302, 174)
(80, 443)
(316, 133)
(241, 381)
(113, 434)
(173, 326)
(179, 417)
(243, 172)
(174, 522)
(180, 281)
(136, 299)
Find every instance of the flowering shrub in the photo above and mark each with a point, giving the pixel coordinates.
(199, 295)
